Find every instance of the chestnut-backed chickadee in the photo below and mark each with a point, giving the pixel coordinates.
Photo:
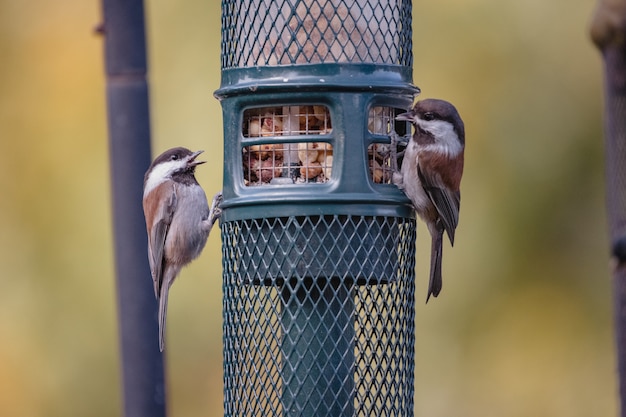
(178, 219)
(431, 174)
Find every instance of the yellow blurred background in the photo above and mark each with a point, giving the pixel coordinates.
(523, 326)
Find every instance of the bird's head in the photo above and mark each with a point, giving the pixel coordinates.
(436, 122)
(172, 162)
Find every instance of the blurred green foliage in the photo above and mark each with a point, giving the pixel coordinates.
(523, 326)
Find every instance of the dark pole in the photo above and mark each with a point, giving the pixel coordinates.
(129, 147)
(608, 32)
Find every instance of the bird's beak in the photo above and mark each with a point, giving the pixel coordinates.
(408, 116)
(192, 159)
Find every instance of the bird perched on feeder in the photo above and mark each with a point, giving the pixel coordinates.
(431, 174)
(178, 220)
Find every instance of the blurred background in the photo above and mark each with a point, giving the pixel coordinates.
(524, 324)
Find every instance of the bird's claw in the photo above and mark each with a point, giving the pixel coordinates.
(215, 211)
(216, 204)
(394, 154)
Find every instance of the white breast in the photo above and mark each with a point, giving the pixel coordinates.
(412, 185)
(161, 172)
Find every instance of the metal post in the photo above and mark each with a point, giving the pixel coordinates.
(129, 147)
(608, 32)
(318, 372)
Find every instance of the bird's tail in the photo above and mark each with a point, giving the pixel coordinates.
(435, 284)
(163, 314)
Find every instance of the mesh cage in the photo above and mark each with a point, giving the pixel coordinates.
(273, 160)
(271, 32)
(318, 245)
(319, 316)
(381, 123)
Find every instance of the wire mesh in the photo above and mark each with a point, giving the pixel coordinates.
(268, 161)
(283, 32)
(381, 123)
(301, 162)
(319, 316)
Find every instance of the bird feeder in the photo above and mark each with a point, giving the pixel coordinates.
(318, 244)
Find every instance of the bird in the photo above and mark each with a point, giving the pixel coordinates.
(178, 220)
(431, 172)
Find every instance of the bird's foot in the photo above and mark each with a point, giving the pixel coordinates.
(215, 211)
(393, 147)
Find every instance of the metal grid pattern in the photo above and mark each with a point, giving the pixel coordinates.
(272, 161)
(319, 316)
(275, 32)
(381, 121)
(305, 119)
(298, 163)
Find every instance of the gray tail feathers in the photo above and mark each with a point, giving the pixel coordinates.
(434, 286)
(163, 314)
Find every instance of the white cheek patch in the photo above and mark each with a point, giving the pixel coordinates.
(160, 173)
(445, 134)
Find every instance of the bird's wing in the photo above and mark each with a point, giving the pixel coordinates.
(446, 202)
(162, 215)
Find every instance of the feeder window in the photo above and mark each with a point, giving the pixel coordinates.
(382, 121)
(280, 157)
(379, 161)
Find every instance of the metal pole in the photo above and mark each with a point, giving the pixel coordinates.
(318, 371)
(608, 33)
(129, 147)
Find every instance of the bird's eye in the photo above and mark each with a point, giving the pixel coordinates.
(174, 157)
(428, 116)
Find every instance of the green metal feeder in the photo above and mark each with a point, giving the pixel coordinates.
(318, 244)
